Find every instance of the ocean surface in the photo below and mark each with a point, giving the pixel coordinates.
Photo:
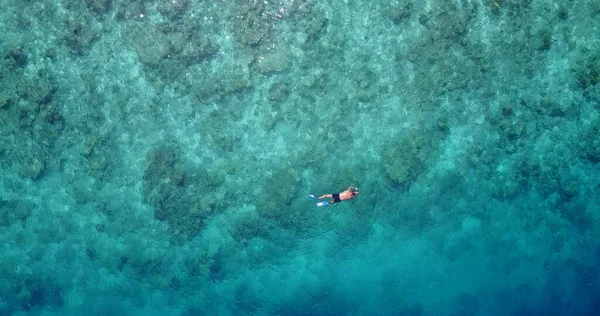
(157, 157)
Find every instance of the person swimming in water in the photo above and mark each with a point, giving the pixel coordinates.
(348, 194)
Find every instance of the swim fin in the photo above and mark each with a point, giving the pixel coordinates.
(322, 203)
(312, 196)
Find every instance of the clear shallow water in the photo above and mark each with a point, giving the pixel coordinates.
(156, 157)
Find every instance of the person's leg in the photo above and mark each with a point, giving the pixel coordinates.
(326, 196)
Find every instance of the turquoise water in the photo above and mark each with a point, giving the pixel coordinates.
(156, 157)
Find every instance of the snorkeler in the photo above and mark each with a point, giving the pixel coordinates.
(349, 194)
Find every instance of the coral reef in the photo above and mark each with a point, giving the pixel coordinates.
(80, 34)
(98, 155)
(404, 159)
(182, 195)
(174, 9)
(309, 19)
(367, 84)
(99, 6)
(401, 11)
(587, 72)
(167, 49)
(14, 211)
(589, 146)
(254, 23)
(15, 59)
(30, 114)
(282, 201)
